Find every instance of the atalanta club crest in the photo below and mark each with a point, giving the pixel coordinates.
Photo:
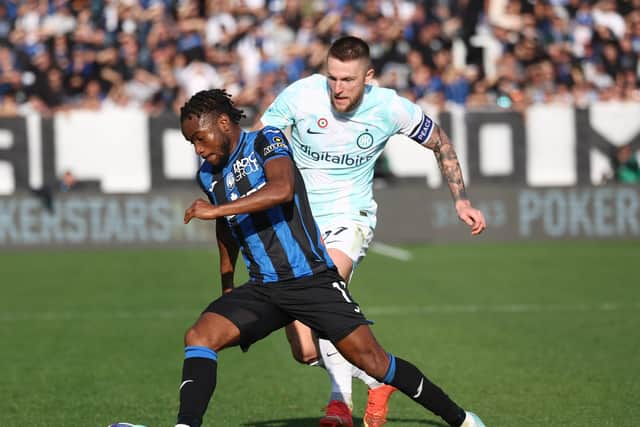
(230, 181)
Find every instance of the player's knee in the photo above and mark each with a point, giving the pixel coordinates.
(192, 337)
(195, 337)
(304, 355)
(373, 361)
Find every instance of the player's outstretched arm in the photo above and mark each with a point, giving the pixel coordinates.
(450, 168)
(228, 249)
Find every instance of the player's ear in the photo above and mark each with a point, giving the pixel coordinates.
(369, 75)
(224, 122)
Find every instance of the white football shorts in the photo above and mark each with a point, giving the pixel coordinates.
(350, 237)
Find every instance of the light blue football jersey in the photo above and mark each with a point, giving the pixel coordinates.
(336, 152)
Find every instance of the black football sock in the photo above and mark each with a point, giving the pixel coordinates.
(408, 379)
(198, 383)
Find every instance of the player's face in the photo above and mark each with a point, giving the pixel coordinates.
(347, 80)
(209, 136)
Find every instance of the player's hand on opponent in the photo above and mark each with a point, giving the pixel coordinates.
(200, 209)
(470, 216)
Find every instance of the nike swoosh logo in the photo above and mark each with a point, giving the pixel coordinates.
(185, 383)
(213, 184)
(311, 132)
(357, 309)
(419, 389)
(332, 354)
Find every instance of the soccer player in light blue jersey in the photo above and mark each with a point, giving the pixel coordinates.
(340, 124)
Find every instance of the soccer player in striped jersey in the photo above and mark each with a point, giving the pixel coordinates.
(258, 199)
(340, 124)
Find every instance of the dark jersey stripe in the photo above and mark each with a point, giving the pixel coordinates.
(273, 250)
(300, 218)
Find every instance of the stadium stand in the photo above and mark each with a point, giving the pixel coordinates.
(57, 55)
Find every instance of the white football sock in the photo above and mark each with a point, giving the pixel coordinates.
(362, 376)
(468, 421)
(339, 372)
(316, 364)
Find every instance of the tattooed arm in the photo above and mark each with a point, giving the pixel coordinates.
(450, 168)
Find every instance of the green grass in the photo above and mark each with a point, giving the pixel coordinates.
(543, 334)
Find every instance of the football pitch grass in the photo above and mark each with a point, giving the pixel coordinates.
(537, 334)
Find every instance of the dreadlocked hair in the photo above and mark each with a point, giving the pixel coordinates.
(215, 101)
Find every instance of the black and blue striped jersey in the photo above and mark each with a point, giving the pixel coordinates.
(282, 242)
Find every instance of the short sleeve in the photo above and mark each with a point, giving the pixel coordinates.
(271, 143)
(412, 121)
(280, 113)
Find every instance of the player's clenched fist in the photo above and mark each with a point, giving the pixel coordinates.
(201, 209)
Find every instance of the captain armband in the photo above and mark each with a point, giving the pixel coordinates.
(422, 132)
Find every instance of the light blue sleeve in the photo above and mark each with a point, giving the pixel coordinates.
(411, 120)
(280, 113)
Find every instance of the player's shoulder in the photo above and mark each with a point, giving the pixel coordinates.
(269, 132)
(270, 138)
(390, 104)
(385, 94)
(312, 82)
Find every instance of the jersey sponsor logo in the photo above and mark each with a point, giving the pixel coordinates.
(272, 147)
(423, 131)
(338, 159)
(365, 140)
(245, 166)
(312, 132)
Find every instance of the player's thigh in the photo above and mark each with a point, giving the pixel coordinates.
(347, 242)
(303, 342)
(343, 263)
(250, 309)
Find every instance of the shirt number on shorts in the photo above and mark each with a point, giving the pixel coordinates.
(333, 232)
(341, 286)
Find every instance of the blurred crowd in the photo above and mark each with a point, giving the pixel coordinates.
(57, 55)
